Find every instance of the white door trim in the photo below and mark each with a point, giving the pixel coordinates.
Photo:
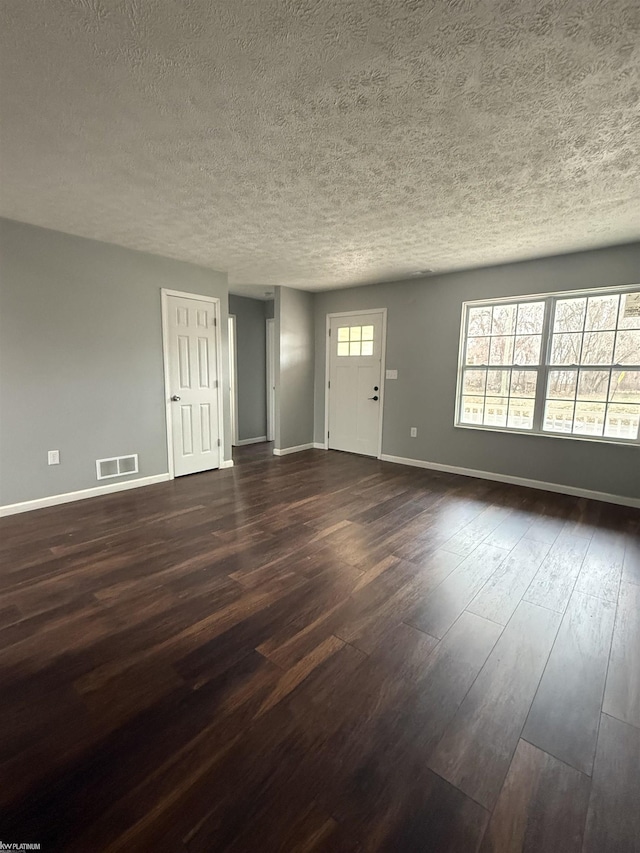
(233, 378)
(271, 379)
(165, 293)
(327, 369)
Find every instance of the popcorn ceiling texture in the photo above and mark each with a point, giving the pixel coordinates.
(321, 143)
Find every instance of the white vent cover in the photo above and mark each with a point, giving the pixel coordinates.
(117, 466)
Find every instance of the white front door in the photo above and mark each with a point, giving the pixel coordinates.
(355, 382)
(192, 371)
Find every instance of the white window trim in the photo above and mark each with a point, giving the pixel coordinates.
(542, 368)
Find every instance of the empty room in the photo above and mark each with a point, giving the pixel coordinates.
(320, 426)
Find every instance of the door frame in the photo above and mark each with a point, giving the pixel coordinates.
(271, 377)
(233, 378)
(165, 293)
(327, 368)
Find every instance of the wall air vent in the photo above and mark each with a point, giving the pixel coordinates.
(117, 466)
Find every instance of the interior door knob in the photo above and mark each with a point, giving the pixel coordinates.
(175, 398)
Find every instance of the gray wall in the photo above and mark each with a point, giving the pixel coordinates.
(295, 343)
(422, 343)
(251, 345)
(81, 357)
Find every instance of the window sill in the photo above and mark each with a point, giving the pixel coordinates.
(531, 433)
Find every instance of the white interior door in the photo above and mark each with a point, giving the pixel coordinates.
(271, 380)
(192, 371)
(355, 386)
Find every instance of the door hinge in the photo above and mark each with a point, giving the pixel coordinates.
(329, 384)
(329, 332)
(215, 321)
(219, 443)
(327, 433)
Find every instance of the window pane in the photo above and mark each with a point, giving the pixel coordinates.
(367, 333)
(343, 348)
(520, 414)
(598, 348)
(565, 349)
(474, 381)
(498, 383)
(478, 351)
(504, 320)
(625, 386)
(355, 333)
(593, 384)
(602, 312)
(562, 384)
(354, 348)
(343, 333)
(501, 350)
(558, 416)
(627, 348)
(570, 315)
(622, 421)
(589, 419)
(629, 317)
(523, 383)
(495, 411)
(472, 410)
(480, 321)
(527, 349)
(367, 347)
(530, 318)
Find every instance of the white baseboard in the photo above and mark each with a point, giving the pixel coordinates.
(258, 440)
(286, 450)
(68, 497)
(516, 481)
(319, 445)
(226, 463)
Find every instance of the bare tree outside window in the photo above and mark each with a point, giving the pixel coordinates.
(564, 365)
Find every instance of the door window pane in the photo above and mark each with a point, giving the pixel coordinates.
(355, 333)
(367, 347)
(343, 333)
(367, 333)
(354, 348)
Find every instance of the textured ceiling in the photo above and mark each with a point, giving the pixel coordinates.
(319, 143)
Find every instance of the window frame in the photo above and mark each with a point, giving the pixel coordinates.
(550, 299)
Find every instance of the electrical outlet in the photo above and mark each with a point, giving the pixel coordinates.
(53, 457)
(414, 432)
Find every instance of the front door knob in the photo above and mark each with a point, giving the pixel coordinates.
(175, 398)
(374, 398)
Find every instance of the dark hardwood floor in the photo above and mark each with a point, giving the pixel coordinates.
(321, 652)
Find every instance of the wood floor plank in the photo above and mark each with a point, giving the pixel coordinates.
(613, 819)
(622, 693)
(565, 713)
(542, 806)
(441, 609)
(554, 582)
(501, 594)
(476, 749)
(602, 568)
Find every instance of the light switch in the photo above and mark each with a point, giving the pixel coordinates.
(53, 457)
(391, 374)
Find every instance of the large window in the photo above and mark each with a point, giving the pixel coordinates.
(563, 364)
